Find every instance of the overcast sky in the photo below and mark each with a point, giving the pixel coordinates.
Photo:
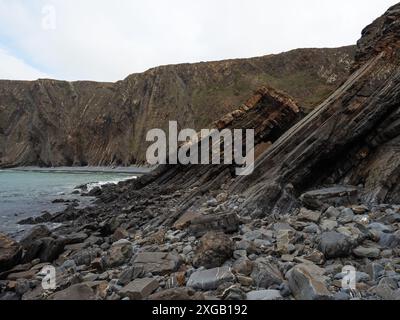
(106, 40)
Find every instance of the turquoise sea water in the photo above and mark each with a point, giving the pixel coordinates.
(29, 193)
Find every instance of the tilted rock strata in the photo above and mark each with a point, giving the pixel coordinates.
(351, 138)
(58, 123)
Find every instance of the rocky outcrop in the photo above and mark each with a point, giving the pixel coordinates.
(10, 253)
(351, 138)
(58, 123)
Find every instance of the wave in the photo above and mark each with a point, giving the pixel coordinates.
(92, 185)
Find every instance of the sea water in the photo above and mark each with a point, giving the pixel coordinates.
(25, 194)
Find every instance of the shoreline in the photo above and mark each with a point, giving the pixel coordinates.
(89, 169)
(91, 177)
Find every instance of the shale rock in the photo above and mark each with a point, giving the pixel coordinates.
(139, 289)
(119, 253)
(157, 263)
(75, 292)
(215, 248)
(307, 282)
(265, 273)
(264, 295)
(182, 294)
(335, 245)
(10, 253)
(210, 279)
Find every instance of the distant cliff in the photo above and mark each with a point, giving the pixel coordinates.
(54, 123)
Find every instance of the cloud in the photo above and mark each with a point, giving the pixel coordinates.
(107, 40)
(12, 68)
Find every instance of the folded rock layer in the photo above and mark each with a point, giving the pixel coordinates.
(59, 123)
(351, 138)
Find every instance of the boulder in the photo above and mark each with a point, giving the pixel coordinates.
(75, 292)
(214, 249)
(243, 266)
(333, 196)
(50, 249)
(367, 252)
(335, 245)
(74, 238)
(264, 295)
(210, 279)
(127, 275)
(332, 212)
(309, 215)
(139, 289)
(265, 274)
(387, 289)
(390, 241)
(157, 263)
(227, 223)
(120, 233)
(120, 253)
(10, 253)
(36, 233)
(185, 220)
(177, 294)
(306, 281)
(85, 256)
(284, 239)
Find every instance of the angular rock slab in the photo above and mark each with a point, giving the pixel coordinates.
(306, 281)
(210, 279)
(76, 292)
(157, 263)
(264, 295)
(228, 223)
(10, 253)
(139, 288)
(336, 196)
(335, 245)
(214, 249)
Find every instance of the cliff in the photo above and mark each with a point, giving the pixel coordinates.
(57, 123)
(352, 138)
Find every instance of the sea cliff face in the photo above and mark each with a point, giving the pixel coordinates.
(58, 123)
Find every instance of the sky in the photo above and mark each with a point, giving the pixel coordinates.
(106, 40)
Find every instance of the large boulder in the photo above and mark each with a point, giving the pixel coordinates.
(46, 249)
(10, 253)
(215, 248)
(50, 249)
(36, 233)
(227, 223)
(266, 274)
(157, 263)
(264, 295)
(335, 245)
(307, 282)
(210, 279)
(335, 196)
(119, 253)
(180, 294)
(40, 243)
(79, 291)
(139, 289)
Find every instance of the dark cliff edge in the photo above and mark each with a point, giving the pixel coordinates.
(351, 138)
(56, 123)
